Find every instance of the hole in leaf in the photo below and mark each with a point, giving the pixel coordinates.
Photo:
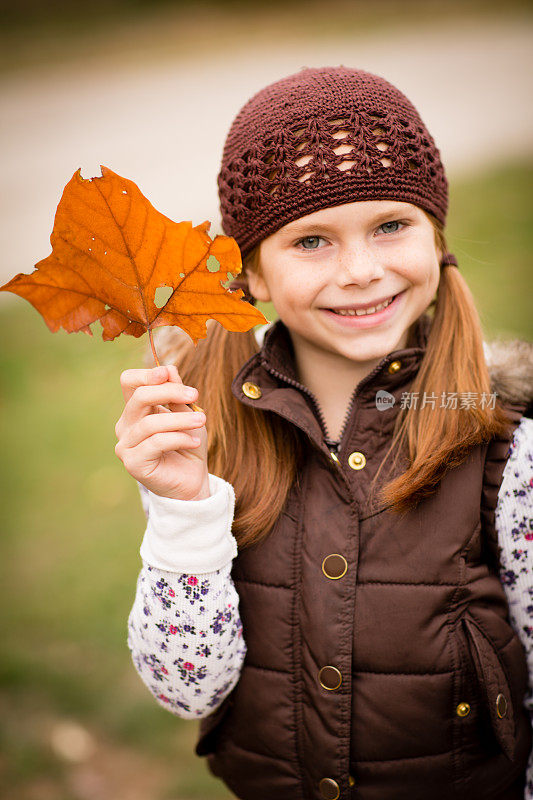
(182, 274)
(378, 131)
(382, 146)
(305, 177)
(386, 162)
(344, 165)
(162, 295)
(212, 264)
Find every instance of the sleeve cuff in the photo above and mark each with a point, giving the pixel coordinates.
(191, 536)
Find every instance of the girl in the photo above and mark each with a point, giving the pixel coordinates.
(337, 571)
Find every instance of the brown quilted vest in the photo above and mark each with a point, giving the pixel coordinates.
(381, 663)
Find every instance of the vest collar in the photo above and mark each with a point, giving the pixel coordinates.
(272, 371)
(277, 352)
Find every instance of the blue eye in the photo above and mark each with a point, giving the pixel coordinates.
(394, 222)
(311, 240)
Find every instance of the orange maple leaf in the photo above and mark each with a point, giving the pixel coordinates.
(111, 249)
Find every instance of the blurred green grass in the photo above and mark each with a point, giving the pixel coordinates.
(73, 522)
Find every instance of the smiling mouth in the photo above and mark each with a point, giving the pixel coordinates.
(364, 311)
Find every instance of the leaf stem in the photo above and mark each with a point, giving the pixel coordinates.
(153, 347)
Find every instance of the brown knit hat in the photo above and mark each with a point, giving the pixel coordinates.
(323, 137)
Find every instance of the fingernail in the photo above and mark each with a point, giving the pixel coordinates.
(189, 393)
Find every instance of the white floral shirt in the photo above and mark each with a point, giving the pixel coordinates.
(185, 632)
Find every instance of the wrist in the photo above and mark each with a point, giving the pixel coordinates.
(204, 493)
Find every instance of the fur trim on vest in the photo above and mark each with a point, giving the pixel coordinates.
(510, 365)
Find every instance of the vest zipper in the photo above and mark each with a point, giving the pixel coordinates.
(333, 445)
(307, 391)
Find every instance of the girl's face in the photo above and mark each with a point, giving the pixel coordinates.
(358, 254)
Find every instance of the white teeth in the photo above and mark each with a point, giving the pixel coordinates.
(364, 312)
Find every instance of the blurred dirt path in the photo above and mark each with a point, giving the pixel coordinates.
(163, 124)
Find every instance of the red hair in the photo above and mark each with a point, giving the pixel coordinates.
(432, 440)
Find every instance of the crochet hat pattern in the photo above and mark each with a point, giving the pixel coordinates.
(323, 137)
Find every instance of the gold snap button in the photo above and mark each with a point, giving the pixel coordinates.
(329, 789)
(351, 780)
(501, 705)
(356, 460)
(463, 709)
(251, 390)
(394, 366)
(334, 566)
(330, 678)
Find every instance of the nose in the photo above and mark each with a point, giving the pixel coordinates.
(358, 265)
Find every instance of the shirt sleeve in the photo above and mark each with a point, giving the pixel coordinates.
(184, 630)
(514, 525)
(190, 535)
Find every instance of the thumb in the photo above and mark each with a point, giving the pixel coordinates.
(160, 374)
(173, 375)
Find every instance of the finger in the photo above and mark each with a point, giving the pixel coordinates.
(145, 398)
(173, 375)
(122, 424)
(162, 410)
(179, 422)
(153, 447)
(131, 379)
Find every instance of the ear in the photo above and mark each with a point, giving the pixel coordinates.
(258, 287)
